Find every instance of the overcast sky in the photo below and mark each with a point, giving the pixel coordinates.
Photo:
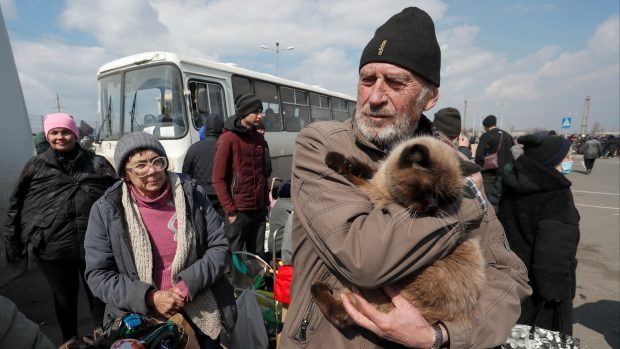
(529, 62)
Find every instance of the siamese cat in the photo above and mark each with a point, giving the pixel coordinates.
(425, 175)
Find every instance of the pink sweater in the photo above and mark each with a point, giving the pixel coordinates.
(160, 219)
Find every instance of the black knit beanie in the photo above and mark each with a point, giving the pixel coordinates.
(489, 121)
(131, 142)
(448, 121)
(546, 150)
(246, 104)
(407, 40)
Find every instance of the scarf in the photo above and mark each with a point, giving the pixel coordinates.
(201, 309)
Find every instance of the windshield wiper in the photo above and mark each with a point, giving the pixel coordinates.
(132, 113)
(107, 117)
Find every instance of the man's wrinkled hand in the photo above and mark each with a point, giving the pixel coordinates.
(404, 324)
(463, 141)
(477, 179)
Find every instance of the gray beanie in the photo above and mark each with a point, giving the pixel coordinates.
(131, 142)
(246, 104)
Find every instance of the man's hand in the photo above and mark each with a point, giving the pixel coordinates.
(232, 218)
(477, 179)
(165, 302)
(463, 141)
(404, 325)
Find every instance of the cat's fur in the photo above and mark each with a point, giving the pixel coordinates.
(426, 176)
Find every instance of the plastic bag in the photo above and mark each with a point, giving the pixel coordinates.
(250, 332)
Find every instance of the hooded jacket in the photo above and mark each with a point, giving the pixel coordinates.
(198, 162)
(542, 226)
(51, 203)
(240, 168)
(339, 237)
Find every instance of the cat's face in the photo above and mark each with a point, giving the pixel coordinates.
(423, 174)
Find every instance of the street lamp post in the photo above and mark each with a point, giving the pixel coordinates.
(277, 50)
(502, 109)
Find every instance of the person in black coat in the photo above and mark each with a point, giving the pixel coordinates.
(49, 208)
(198, 162)
(488, 144)
(542, 227)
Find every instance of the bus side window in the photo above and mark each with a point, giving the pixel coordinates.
(339, 108)
(202, 105)
(207, 101)
(268, 94)
(320, 107)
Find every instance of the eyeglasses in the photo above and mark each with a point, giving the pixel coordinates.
(142, 169)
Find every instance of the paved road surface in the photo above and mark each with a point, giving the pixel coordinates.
(597, 304)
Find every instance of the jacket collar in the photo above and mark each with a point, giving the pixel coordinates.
(51, 157)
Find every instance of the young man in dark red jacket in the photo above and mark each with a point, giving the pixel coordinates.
(240, 176)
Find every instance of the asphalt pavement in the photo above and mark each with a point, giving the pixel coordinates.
(597, 302)
(596, 305)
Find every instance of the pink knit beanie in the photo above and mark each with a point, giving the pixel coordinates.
(63, 120)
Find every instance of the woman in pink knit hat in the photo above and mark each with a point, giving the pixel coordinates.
(49, 209)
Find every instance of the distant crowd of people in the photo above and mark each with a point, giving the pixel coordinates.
(144, 239)
(525, 181)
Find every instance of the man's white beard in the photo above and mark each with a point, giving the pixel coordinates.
(400, 128)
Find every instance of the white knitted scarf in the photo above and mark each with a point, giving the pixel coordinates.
(201, 309)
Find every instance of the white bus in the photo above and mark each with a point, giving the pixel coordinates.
(171, 95)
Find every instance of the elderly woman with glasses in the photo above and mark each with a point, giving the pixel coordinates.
(155, 245)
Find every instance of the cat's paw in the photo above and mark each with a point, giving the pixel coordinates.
(330, 305)
(337, 162)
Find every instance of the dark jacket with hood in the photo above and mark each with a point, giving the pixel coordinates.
(51, 203)
(240, 169)
(542, 226)
(198, 162)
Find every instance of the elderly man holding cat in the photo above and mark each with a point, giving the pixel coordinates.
(342, 240)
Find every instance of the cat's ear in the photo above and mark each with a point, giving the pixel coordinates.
(415, 154)
(468, 168)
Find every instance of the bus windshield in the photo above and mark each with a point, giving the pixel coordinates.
(150, 100)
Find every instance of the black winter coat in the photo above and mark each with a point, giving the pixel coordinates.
(51, 203)
(542, 226)
(198, 162)
(489, 144)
